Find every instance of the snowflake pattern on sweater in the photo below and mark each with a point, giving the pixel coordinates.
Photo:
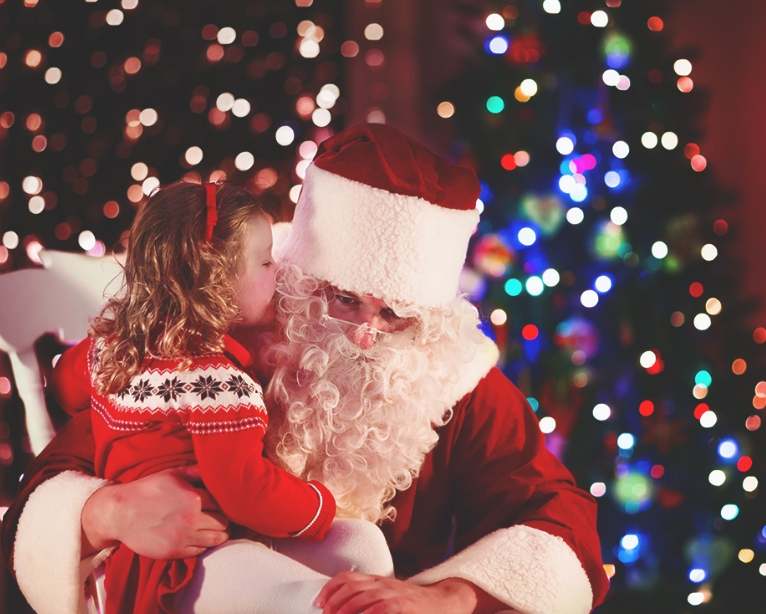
(212, 384)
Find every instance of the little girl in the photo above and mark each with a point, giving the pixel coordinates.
(168, 387)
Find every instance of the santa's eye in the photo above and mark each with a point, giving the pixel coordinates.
(346, 300)
(389, 314)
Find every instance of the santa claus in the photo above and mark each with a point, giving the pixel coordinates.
(384, 388)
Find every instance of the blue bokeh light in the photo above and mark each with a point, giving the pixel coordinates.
(497, 45)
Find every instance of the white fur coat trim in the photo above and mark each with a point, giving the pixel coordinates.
(530, 570)
(371, 241)
(46, 556)
(487, 355)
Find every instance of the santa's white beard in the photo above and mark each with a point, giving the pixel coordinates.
(359, 421)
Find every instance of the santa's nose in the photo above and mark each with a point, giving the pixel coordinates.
(364, 336)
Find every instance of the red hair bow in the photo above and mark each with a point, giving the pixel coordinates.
(212, 212)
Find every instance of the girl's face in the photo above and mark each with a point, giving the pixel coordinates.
(256, 284)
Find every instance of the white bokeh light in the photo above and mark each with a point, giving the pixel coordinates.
(682, 67)
(244, 161)
(709, 252)
(610, 77)
(670, 140)
(495, 22)
(708, 419)
(295, 192)
(148, 117)
(547, 424)
(240, 108)
(10, 239)
(716, 477)
(612, 179)
(589, 298)
(534, 285)
(626, 441)
(321, 117)
(528, 87)
(226, 36)
(565, 145)
(527, 236)
(599, 19)
(32, 185)
(36, 205)
(567, 183)
(86, 240)
(659, 249)
(225, 102)
(575, 216)
(284, 135)
(603, 283)
(53, 75)
(373, 32)
(149, 185)
(551, 277)
(750, 483)
(647, 359)
(193, 155)
(621, 149)
(649, 140)
(602, 412)
(618, 215)
(309, 48)
(114, 18)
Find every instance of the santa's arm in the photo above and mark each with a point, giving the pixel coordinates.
(63, 514)
(41, 530)
(526, 534)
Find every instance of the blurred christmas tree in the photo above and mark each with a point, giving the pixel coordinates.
(597, 262)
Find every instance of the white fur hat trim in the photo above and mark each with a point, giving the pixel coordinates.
(371, 241)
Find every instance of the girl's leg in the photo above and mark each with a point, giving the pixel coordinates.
(246, 577)
(349, 544)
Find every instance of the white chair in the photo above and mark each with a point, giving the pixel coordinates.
(59, 298)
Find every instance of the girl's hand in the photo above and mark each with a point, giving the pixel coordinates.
(161, 516)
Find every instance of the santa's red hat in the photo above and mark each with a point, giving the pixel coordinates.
(381, 214)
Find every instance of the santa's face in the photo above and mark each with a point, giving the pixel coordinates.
(363, 317)
(360, 419)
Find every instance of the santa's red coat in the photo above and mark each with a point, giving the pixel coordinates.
(490, 505)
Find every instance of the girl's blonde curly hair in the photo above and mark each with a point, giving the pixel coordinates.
(178, 297)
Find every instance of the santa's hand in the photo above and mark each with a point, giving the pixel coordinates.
(356, 593)
(161, 516)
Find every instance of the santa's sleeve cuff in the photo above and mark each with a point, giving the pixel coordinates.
(48, 544)
(528, 569)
